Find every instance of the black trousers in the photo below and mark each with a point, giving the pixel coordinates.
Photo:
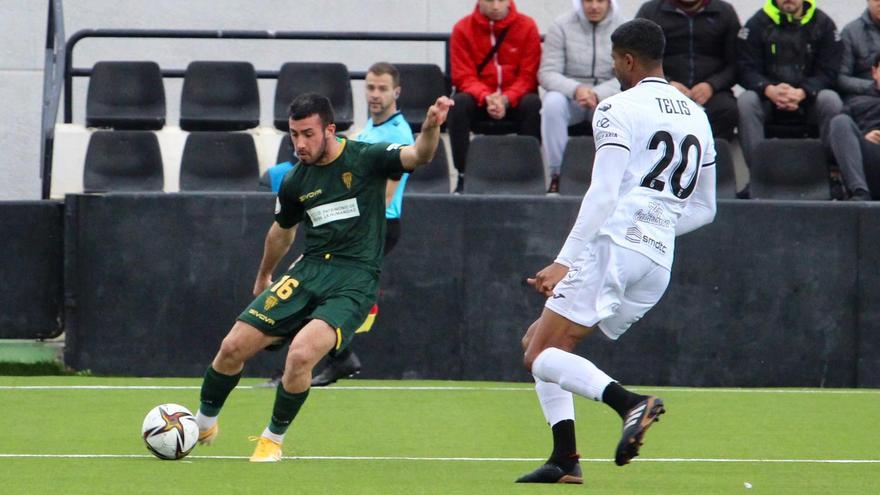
(525, 119)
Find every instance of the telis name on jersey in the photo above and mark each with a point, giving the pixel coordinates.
(675, 107)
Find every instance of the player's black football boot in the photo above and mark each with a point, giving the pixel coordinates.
(336, 369)
(635, 424)
(552, 473)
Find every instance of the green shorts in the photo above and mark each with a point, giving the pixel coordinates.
(336, 292)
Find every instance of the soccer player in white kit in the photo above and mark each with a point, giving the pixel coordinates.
(653, 179)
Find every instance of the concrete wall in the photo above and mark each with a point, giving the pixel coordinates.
(775, 307)
(22, 41)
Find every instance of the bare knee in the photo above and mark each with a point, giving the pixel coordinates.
(230, 359)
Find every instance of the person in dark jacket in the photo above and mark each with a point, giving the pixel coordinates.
(700, 56)
(855, 134)
(494, 52)
(788, 59)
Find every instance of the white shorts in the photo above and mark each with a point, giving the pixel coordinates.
(610, 285)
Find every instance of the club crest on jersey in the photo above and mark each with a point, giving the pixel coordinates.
(270, 303)
(346, 179)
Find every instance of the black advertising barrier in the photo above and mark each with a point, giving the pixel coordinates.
(771, 294)
(31, 269)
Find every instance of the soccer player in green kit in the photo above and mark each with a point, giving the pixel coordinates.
(338, 190)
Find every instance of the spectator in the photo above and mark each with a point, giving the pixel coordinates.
(495, 52)
(855, 135)
(576, 72)
(700, 56)
(788, 57)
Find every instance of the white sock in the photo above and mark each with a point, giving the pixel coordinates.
(273, 436)
(572, 372)
(205, 422)
(557, 404)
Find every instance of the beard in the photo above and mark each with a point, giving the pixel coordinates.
(316, 157)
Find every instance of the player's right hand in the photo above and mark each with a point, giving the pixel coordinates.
(545, 280)
(438, 112)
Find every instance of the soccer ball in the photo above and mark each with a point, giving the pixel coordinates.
(170, 431)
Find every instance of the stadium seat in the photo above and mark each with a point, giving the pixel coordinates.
(421, 85)
(126, 95)
(219, 96)
(725, 177)
(123, 161)
(577, 166)
(790, 169)
(219, 161)
(505, 165)
(432, 178)
(285, 150)
(329, 79)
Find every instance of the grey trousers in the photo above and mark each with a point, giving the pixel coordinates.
(557, 113)
(854, 154)
(754, 110)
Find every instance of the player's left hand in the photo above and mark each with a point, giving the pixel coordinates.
(438, 112)
(545, 280)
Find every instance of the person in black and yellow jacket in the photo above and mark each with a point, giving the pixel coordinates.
(788, 57)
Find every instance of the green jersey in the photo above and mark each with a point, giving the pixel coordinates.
(342, 203)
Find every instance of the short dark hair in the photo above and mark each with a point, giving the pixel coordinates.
(380, 68)
(308, 104)
(640, 37)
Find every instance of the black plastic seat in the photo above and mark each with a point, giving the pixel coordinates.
(790, 169)
(505, 165)
(421, 85)
(219, 161)
(725, 176)
(329, 79)
(126, 96)
(433, 177)
(285, 151)
(219, 96)
(123, 161)
(576, 169)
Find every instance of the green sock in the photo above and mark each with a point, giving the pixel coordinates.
(286, 407)
(216, 387)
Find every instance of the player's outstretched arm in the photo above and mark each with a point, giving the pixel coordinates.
(278, 242)
(426, 144)
(700, 208)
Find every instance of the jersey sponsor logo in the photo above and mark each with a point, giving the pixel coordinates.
(603, 135)
(635, 236)
(558, 296)
(604, 123)
(604, 107)
(260, 316)
(346, 179)
(331, 212)
(311, 195)
(394, 146)
(652, 215)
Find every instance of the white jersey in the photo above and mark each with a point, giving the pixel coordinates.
(669, 140)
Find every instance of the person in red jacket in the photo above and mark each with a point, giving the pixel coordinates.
(495, 53)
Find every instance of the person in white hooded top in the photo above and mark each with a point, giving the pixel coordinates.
(576, 73)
